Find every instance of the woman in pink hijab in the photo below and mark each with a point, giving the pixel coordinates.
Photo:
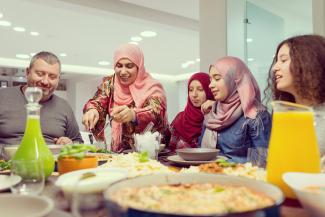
(131, 98)
(238, 120)
(186, 127)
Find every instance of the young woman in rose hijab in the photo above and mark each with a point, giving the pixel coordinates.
(238, 120)
(186, 127)
(131, 97)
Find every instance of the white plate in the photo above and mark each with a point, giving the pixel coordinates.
(6, 181)
(178, 160)
(15, 205)
(70, 182)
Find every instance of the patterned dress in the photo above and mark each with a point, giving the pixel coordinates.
(152, 111)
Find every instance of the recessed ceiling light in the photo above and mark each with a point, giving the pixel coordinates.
(104, 63)
(22, 56)
(198, 60)
(63, 54)
(148, 34)
(133, 42)
(190, 62)
(4, 23)
(184, 65)
(249, 40)
(250, 59)
(19, 29)
(32, 54)
(136, 38)
(1, 15)
(34, 33)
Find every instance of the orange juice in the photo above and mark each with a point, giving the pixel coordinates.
(293, 146)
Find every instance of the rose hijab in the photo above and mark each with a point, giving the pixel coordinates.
(143, 87)
(188, 123)
(244, 98)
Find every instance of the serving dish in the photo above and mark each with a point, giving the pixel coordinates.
(180, 161)
(10, 150)
(312, 200)
(197, 154)
(15, 205)
(116, 210)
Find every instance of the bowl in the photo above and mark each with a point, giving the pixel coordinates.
(69, 182)
(10, 150)
(90, 188)
(312, 201)
(116, 210)
(14, 205)
(197, 154)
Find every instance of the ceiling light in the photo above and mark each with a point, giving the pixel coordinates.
(250, 59)
(1, 15)
(19, 29)
(190, 62)
(133, 42)
(32, 54)
(136, 38)
(184, 65)
(104, 63)
(63, 54)
(4, 23)
(148, 34)
(198, 60)
(22, 56)
(34, 33)
(249, 40)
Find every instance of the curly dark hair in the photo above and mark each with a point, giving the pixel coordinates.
(307, 54)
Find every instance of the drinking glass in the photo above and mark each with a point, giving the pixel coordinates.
(31, 176)
(319, 123)
(257, 156)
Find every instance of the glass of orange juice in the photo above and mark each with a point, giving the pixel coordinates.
(293, 144)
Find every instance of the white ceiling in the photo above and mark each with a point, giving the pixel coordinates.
(89, 31)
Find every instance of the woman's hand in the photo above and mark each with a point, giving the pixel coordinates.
(206, 106)
(123, 114)
(90, 118)
(63, 141)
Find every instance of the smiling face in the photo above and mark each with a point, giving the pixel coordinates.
(281, 69)
(45, 76)
(218, 85)
(196, 93)
(126, 71)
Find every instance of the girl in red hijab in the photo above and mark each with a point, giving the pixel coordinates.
(187, 126)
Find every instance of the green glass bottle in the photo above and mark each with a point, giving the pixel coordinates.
(33, 146)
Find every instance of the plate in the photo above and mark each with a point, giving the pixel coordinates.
(103, 177)
(178, 160)
(7, 181)
(15, 205)
(57, 213)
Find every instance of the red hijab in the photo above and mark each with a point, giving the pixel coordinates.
(188, 123)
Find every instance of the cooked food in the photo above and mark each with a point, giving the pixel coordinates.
(198, 199)
(315, 189)
(5, 165)
(229, 168)
(136, 164)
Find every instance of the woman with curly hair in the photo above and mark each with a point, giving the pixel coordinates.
(298, 71)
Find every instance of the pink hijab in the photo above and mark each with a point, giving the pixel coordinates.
(143, 87)
(244, 97)
(189, 122)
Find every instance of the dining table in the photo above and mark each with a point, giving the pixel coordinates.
(290, 207)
